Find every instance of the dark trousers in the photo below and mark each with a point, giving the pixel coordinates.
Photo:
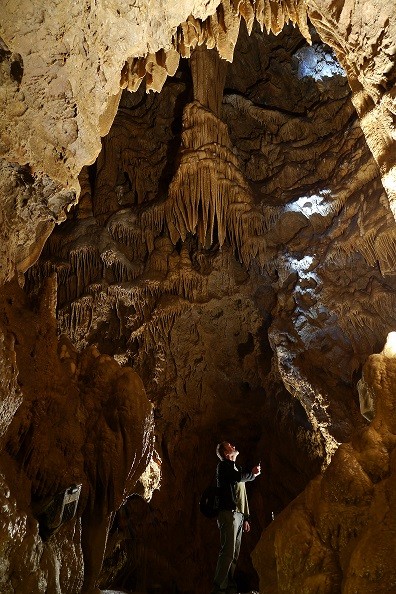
(231, 527)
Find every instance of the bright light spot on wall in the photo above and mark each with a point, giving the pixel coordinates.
(301, 265)
(389, 183)
(317, 63)
(389, 179)
(306, 272)
(390, 346)
(308, 205)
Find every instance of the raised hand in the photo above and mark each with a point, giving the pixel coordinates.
(257, 469)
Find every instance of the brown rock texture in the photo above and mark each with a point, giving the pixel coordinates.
(81, 420)
(146, 273)
(363, 36)
(32, 205)
(339, 534)
(64, 84)
(198, 201)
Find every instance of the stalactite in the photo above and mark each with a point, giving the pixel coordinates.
(270, 217)
(277, 17)
(218, 31)
(158, 262)
(385, 247)
(186, 283)
(34, 276)
(210, 39)
(133, 73)
(75, 320)
(366, 246)
(142, 296)
(377, 248)
(254, 249)
(225, 25)
(384, 304)
(246, 9)
(124, 227)
(218, 194)
(63, 271)
(361, 318)
(157, 329)
(191, 31)
(86, 265)
(128, 295)
(263, 14)
(152, 223)
(155, 67)
(156, 74)
(284, 127)
(362, 326)
(95, 289)
(337, 255)
(122, 268)
(81, 313)
(184, 42)
(125, 271)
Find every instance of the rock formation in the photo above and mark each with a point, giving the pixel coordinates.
(197, 242)
(83, 420)
(339, 535)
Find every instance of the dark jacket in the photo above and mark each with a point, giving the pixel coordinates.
(228, 475)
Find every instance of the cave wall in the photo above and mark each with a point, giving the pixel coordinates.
(81, 420)
(338, 535)
(363, 36)
(234, 242)
(149, 294)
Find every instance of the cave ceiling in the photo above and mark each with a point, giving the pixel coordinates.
(204, 193)
(259, 164)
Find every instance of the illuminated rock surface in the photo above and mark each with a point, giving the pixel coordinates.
(197, 197)
(339, 535)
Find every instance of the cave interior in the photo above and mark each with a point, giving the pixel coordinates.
(198, 244)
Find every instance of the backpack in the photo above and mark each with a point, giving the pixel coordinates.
(209, 502)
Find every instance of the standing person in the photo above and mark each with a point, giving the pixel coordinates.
(233, 516)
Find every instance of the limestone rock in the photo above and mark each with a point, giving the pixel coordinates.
(81, 420)
(235, 243)
(340, 531)
(64, 94)
(141, 277)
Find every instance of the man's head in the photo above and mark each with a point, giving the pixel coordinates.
(226, 451)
